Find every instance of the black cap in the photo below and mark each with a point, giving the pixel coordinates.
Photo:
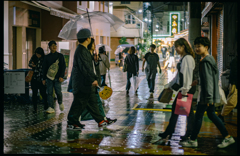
(51, 42)
(102, 49)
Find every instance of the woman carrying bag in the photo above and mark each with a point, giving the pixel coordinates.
(182, 83)
(36, 63)
(132, 68)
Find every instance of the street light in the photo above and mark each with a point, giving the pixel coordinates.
(140, 10)
(145, 19)
(149, 20)
(157, 26)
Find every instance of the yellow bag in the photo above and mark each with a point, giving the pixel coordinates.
(231, 101)
(105, 93)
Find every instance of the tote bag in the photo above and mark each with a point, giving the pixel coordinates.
(183, 105)
(231, 102)
(29, 76)
(165, 96)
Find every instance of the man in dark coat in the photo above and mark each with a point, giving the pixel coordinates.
(84, 82)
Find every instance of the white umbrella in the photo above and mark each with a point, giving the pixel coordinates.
(70, 29)
(107, 48)
(119, 50)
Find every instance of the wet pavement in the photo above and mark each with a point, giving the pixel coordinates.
(139, 120)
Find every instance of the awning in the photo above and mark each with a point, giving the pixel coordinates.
(212, 7)
(54, 12)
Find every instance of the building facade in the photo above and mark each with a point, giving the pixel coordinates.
(134, 26)
(222, 19)
(28, 25)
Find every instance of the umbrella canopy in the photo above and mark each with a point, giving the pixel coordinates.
(107, 48)
(71, 28)
(118, 50)
(125, 45)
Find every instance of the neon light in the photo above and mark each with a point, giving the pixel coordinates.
(170, 19)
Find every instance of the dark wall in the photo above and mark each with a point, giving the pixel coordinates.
(51, 26)
(230, 33)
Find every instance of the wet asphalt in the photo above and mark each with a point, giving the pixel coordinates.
(139, 118)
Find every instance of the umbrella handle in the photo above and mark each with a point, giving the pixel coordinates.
(90, 26)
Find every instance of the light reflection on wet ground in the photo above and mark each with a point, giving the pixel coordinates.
(26, 132)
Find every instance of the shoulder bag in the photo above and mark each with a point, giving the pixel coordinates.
(53, 69)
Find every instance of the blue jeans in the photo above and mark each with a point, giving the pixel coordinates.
(211, 115)
(103, 78)
(58, 90)
(151, 83)
(129, 75)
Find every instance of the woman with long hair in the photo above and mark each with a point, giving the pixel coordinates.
(182, 82)
(132, 68)
(36, 63)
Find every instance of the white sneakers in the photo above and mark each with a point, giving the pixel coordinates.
(51, 110)
(61, 107)
(193, 143)
(189, 143)
(226, 142)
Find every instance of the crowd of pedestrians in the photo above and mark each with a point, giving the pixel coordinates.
(89, 74)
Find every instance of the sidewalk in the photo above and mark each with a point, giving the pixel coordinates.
(138, 117)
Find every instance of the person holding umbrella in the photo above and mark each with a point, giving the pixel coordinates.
(104, 64)
(84, 83)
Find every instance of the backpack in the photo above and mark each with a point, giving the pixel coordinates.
(52, 70)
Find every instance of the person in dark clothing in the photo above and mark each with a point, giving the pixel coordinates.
(132, 68)
(104, 65)
(54, 82)
(182, 83)
(36, 63)
(151, 70)
(84, 82)
(163, 52)
(209, 94)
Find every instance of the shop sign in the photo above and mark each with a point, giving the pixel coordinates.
(174, 24)
(14, 82)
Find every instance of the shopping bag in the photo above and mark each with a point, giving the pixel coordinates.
(174, 96)
(183, 104)
(231, 102)
(165, 96)
(28, 78)
(105, 92)
(223, 98)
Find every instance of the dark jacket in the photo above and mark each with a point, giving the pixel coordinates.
(233, 77)
(82, 71)
(70, 88)
(51, 58)
(208, 72)
(38, 74)
(132, 63)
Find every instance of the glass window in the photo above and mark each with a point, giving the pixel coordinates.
(125, 2)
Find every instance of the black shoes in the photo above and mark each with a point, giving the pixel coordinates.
(75, 127)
